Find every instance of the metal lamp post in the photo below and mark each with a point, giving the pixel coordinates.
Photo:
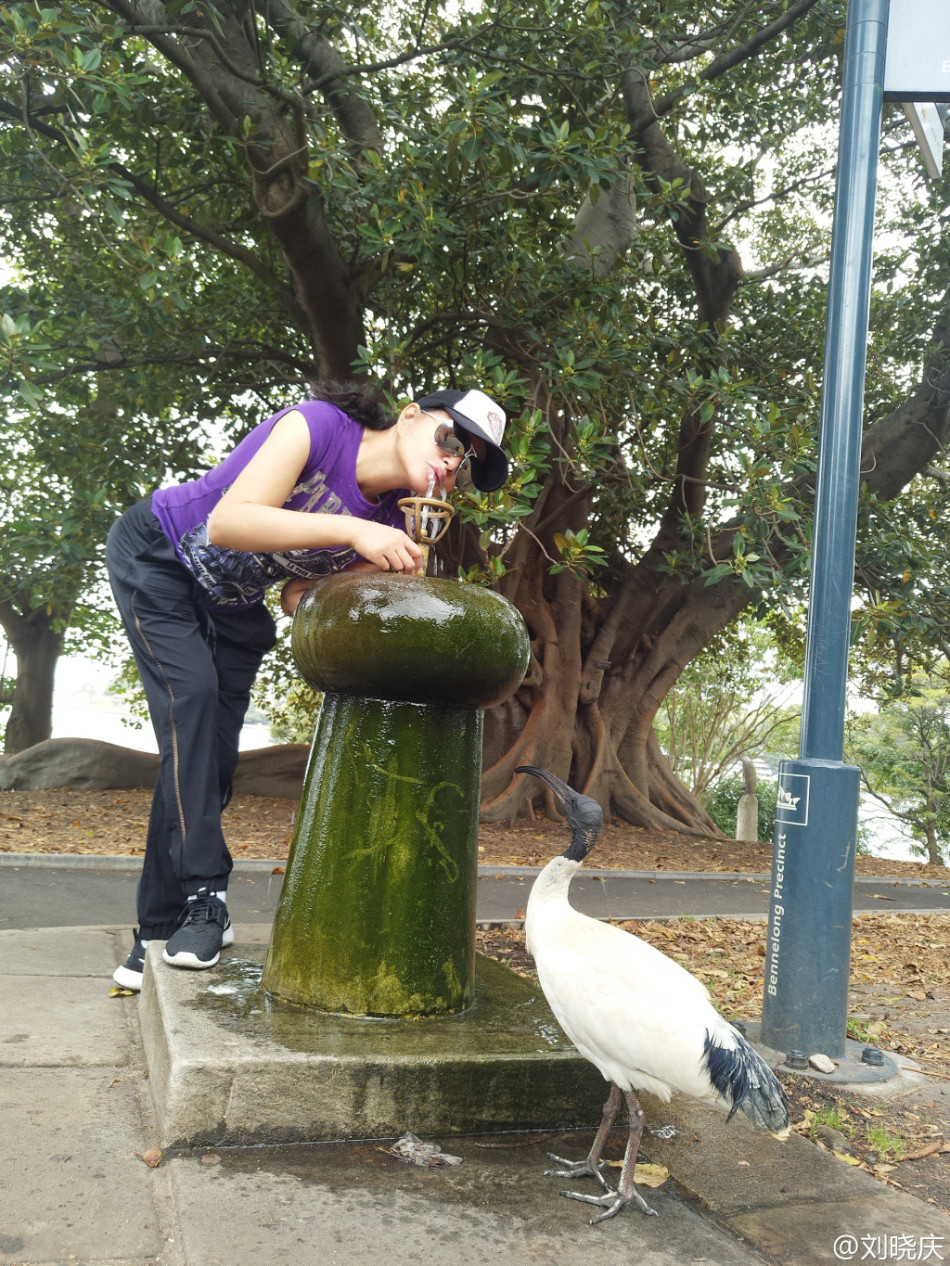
(809, 935)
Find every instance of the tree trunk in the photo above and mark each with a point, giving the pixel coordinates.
(602, 663)
(930, 826)
(933, 848)
(37, 648)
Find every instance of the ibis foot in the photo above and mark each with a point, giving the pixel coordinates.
(626, 1193)
(590, 1166)
(578, 1169)
(613, 1202)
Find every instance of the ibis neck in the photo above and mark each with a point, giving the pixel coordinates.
(556, 876)
(548, 901)
(578, 848)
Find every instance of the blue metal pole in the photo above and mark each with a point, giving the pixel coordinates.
(809, 937)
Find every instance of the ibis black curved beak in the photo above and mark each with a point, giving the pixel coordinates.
(560, 789)
(584, 815)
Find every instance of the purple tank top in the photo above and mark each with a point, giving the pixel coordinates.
(327, 485)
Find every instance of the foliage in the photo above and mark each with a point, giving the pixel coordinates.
(901, 622)
(722, 804)
(549, 201)
(280, 698)
(288, 704)
(903, 750)
(733, 700)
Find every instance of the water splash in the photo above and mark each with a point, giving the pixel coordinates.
(425, 509)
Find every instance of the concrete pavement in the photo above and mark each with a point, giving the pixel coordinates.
(75, 1110)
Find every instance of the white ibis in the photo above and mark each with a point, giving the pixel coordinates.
(645, 1022)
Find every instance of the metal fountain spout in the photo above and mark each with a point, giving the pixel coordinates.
(427, 521)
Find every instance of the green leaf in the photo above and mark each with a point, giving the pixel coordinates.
(31, 394)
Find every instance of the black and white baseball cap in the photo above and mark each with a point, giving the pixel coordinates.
(480, 416)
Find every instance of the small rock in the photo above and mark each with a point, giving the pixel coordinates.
(822, 1063)
(834, 1140)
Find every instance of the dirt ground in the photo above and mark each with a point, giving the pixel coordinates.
(900, 978)
(113, 822)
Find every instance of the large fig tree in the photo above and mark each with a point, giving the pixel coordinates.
(613, 217)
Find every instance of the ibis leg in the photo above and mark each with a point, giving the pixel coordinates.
(590, 1167)
(626, 1193)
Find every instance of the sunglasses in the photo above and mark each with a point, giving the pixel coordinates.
(452, 442)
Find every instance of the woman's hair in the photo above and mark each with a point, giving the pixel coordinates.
(363, 402)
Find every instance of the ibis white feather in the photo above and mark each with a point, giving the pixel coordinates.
(634, 1013)
(643, 1020)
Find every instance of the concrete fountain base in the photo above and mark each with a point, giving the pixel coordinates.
(227, 1065)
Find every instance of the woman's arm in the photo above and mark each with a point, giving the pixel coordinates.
(251, 514)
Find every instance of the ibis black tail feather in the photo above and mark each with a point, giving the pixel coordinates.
(745, 1081)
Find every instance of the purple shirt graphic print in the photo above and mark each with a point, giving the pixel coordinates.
(327, 485)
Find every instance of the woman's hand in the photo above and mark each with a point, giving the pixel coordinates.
(387, 548)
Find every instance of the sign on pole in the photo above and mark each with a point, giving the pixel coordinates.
(917, 53)
(926, 118)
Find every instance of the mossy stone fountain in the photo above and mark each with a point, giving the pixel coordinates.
(368, 1014)
(377, 911)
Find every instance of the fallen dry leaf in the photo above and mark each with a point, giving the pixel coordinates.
(645, 1175)
(930, 1150)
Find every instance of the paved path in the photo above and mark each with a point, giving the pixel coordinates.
(62, 891)
(77, 1118)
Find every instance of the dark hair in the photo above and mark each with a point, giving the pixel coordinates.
(363, 402)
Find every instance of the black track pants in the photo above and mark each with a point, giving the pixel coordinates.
(198, 663)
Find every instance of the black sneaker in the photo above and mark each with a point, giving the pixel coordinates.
(204, 928)
(129, 975)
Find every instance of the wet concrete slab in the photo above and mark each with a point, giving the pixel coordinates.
(794, 1203)
(340, 1203)
(230, 1065)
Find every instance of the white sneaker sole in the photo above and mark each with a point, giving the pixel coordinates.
(127, 979)
(184, 959)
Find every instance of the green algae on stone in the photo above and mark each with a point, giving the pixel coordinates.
(411, 638)
(377, 911)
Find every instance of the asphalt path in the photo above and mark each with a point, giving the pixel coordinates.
(55, 891)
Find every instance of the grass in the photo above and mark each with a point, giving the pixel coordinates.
(885, 1143)
(832, 1117)
(857, 1030)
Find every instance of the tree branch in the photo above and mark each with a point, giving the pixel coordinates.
(323, 63)
(277, 152)
(735, 56)
(200, 232)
